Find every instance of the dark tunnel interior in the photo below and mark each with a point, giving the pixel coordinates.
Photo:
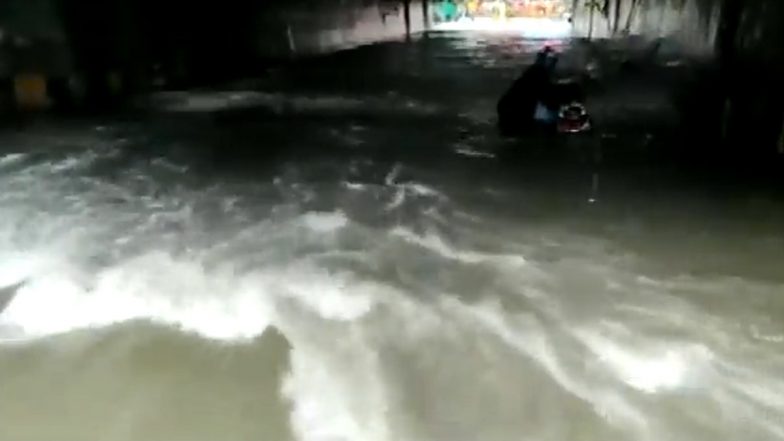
(99, 54)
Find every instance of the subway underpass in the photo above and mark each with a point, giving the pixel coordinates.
(346, 249)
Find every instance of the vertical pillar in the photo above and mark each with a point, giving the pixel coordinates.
(726, 51)
(616, 17)
(407, 17)
(426, 13)
(591, 11)
(726, 37)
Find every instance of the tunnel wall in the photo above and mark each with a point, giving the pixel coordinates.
(247, 36)
(33, 48)
(302, 28)
(732, 107)
(31, 38)
(752, 68)
(109, 49)
(691, 24)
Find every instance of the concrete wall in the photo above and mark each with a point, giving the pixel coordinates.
(754, 27)
(33, 49)
(112, 48)
(31, 38)
(301, 28)
(118, 32)
(733, 103)
(692, 24)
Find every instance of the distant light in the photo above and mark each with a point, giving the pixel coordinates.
(538, 28)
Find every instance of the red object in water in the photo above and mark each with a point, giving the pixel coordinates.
(573, 118)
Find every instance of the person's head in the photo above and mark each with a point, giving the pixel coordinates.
(547, 58)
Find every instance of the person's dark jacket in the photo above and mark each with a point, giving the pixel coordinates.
(517, 106)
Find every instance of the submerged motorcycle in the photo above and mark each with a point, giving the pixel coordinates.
(537, 102)
(573, 118)
(560, 110)
(566, 112)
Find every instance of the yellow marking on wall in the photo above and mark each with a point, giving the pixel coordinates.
(30, 91)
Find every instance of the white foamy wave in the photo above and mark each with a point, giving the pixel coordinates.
(471, 153)
(325, 222)
(528, 335)
(354, 186)
(392, 176)
(419, 189)
(397, 200)
(755, 332)
(17, 267)
(331, 296)
(392, 179)
(439, 329)
(12, 159)
(151, 287)
(218, 304)
(404, 191)
(436, 244)
(673, 368)
(329, 405)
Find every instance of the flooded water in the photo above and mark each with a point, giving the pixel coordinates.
(366, 260)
